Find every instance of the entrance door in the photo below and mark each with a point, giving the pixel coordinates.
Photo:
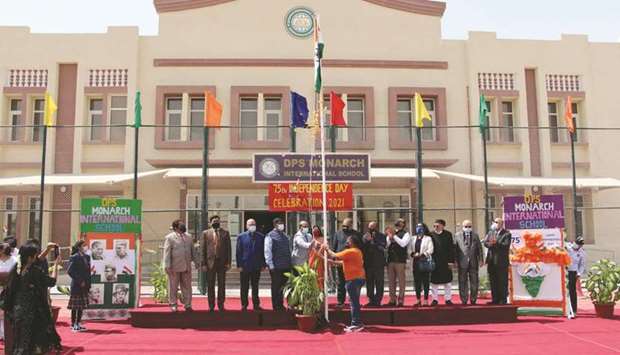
(264, 220)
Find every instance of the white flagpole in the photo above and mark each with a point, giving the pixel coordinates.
(324, 191)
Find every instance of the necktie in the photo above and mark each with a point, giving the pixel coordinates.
(467, 239)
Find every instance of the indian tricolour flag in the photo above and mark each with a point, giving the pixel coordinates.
(319, 46)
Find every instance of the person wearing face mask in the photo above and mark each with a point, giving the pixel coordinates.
(469, 260)
(278, 259)
(374, 264)
(398, 240)
(443, 255)
(421, 250)
(338, 244)
(178, 257)
(576, 268)
(216, 254)
(79, 271)
(250, 261)
(302, 241)
(498, 242)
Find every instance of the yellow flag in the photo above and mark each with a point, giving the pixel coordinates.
(421, 113)
(50, 109)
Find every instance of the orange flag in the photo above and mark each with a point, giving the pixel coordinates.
(213, 111)
(568, 115)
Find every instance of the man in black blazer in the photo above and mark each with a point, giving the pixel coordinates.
(375, 243)
(498, 242)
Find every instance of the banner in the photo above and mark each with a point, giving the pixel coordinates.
(111, 228)
(538, 257)
(306, 197)
(534, 212)
(271, 168)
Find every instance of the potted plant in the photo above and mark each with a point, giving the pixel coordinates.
(159, 280)
(304, 295)
(603, 285)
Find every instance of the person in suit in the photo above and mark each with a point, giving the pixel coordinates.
(178, 257)
(250, 261)
(443, 255)
(398, 240)
(337, 244)
(498, 242)
(79, 271)
(278, 259)
(216, 256)
(469, 259)
(374, 246)
(302, 241)
(420, 250)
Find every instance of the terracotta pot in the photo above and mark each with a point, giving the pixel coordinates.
(306, 323)
(604, 310)
(55, 312)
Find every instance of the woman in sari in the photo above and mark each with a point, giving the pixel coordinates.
(315, 259)
(33, 327)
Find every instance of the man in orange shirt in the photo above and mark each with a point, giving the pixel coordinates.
(352, 262)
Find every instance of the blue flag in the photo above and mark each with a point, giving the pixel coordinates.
(299, 110)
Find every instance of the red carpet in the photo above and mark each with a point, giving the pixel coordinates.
(531, 335)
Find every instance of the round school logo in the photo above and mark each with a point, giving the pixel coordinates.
(300, 22)
(269, 167)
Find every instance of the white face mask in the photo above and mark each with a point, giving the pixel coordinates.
(251, 229)
(467, 229)
(494, 226)
(304, 230)
(280, 227)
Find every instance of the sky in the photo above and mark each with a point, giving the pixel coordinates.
(527, 19)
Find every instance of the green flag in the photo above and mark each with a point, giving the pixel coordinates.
(484, 111)
(138, 111)
(319, 46)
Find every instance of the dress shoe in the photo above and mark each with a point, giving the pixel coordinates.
(401, 305)
(173, 308)
(435, 303)
(449, 303)
(221, 308)
(258, 309)
(418, 304)
(244, 309)
(473, 303)
(189, 309)
(391, 304)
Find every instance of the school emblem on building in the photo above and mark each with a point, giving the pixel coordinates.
(269, 167)
(299, 22)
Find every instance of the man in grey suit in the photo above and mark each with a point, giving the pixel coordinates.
(469, 259)
(178, 257)
(498, 241)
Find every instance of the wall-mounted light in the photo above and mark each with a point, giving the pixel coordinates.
(63, 189)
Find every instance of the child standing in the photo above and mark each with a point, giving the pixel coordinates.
(79, 271)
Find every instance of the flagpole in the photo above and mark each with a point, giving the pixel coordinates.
(486, 179)
(574, 168)
(135, 161)
(42, 187)
(324, 191)
(418, 133)
(205, 195)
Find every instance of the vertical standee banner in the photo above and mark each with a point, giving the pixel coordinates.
(538, 257)
(112, 229)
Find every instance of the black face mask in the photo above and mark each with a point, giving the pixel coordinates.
(345, 228)
(215, 225)
(371, 231)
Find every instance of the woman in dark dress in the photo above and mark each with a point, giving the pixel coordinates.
(444, 259)
(79, 271)
(33, 327)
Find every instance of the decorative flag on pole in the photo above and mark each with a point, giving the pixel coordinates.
(568, 115)
(213, 111)
(138, 111)
(50, 109)
(299, 110)
(484, 111)
(337, 110)
(315, 124)
(421, 113)
(319, 46)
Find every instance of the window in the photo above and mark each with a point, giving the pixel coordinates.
(557, 122)
(268, 109)
(354, 116)
(118, 117)
(95, 114)
(273, 112)
(15, 116)
(579, 137)
(34, 204)
(555, 130)
(489, 105)
(37, 119)
(196, 118)
(249, 118)
(507, 122)
(494, 207)
(406, 117)
(174, 111)
(9, 223)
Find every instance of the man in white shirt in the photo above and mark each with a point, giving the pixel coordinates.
(302, 241)
(576, 268)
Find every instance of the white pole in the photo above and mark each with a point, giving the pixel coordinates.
(324, 191)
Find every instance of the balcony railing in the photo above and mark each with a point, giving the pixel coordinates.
(103, 78)
(496, 81)
(27, 78)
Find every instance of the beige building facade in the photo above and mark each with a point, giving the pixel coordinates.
(252, 54)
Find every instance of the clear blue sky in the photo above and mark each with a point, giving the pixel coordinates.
(537, 19)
